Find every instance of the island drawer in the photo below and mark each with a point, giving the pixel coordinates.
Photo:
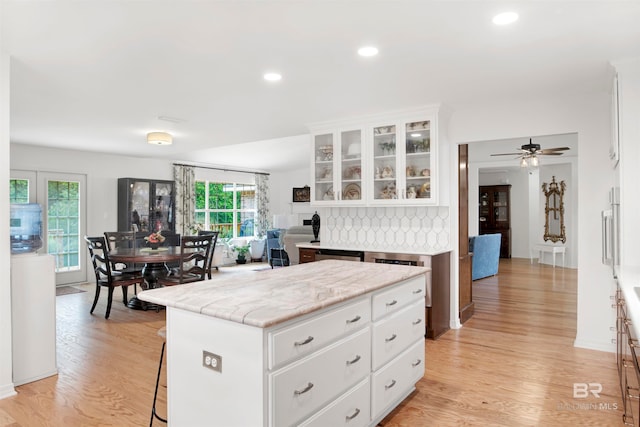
(306, 385)
(392, 300)
(395, 379)
(352, 409)
(308, 336)
(395, 333)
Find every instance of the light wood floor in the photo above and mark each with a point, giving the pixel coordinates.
(512, 364)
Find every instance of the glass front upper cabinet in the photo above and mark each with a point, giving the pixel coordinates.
(402, 163)
(337, 167)
(323, 171)
(417, 184)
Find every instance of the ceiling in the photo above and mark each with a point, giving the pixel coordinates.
(98, 75)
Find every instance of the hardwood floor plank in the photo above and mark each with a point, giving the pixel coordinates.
(512, 364)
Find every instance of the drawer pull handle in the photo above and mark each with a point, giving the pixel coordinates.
(354, 320)
(351, 362)
(352, 416)
(304, 390)
(416, 363)
(417, 321)
(391, 338)
(387, 387)
(307, 341)
(417, 291)
(394, 302)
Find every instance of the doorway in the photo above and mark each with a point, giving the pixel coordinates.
(63, 200)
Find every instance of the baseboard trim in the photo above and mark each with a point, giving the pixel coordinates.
(609, 347)
(7, 390)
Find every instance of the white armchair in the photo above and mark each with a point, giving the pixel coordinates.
(293, 236)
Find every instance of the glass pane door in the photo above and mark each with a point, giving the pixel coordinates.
(418, 160)
(384, 163)
(351, 158)
(323, 167)
(63, 202)
(140, 205)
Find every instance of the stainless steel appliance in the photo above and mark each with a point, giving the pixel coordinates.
(611, 232)
(339, 254)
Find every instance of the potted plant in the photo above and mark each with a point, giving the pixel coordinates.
(241, 252)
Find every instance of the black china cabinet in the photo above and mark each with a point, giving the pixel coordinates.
(146, 205)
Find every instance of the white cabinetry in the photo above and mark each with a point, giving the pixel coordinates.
(349, 364)
(387, 159)
(33, 303)
(337, 167)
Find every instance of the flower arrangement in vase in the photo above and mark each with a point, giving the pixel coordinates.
(154, 239)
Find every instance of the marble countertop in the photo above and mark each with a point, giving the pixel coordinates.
(266, 298)
(629, 280)
(321, 246)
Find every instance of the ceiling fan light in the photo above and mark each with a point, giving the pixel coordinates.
(534, 161)
(523, 162)
(159, 138)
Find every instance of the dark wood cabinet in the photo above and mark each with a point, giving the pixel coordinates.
(306, 255)
(494, 214)
(145, 205)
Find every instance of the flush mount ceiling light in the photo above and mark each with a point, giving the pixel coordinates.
(368, 51)
(505, 18)
(159, 138)
(273, 77)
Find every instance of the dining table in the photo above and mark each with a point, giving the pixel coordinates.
(155, 267)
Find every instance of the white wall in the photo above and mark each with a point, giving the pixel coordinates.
(282, 184)
(588, 115)
(6, 361)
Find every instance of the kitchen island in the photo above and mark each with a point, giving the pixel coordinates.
(326, 343)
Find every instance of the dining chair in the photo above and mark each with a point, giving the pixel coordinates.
(122, 239)
(194, 255)
(99, 253)
(214, 240)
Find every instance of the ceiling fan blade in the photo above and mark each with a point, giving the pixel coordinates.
(557, 149)
(553, 153)
(507, 154)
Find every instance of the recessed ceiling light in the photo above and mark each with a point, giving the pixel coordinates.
(368, 51)
(272, 77)
(505, 18)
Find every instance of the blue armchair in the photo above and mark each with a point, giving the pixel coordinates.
(275, 250)
(486, 255)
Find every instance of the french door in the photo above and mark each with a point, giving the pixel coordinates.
(63, 200)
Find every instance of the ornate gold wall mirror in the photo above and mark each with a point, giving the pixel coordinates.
(554, 211)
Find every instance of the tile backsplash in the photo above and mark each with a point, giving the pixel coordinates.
(403, 228)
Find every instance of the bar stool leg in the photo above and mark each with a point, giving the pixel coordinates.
(155, 393)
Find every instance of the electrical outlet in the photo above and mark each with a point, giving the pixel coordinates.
(212, 361)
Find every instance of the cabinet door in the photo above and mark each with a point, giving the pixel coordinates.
(384, 177)
(161, 203)
(138, 206)
(323, 191)
(418, 162)
(501, 207)
(351, 167)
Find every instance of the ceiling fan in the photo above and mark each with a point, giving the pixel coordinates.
(529, 153)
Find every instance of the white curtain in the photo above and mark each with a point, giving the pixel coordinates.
(263, 220)
(184, 177)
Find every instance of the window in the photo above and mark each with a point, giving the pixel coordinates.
(63, 220)
(19, 191)
(226, 207)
